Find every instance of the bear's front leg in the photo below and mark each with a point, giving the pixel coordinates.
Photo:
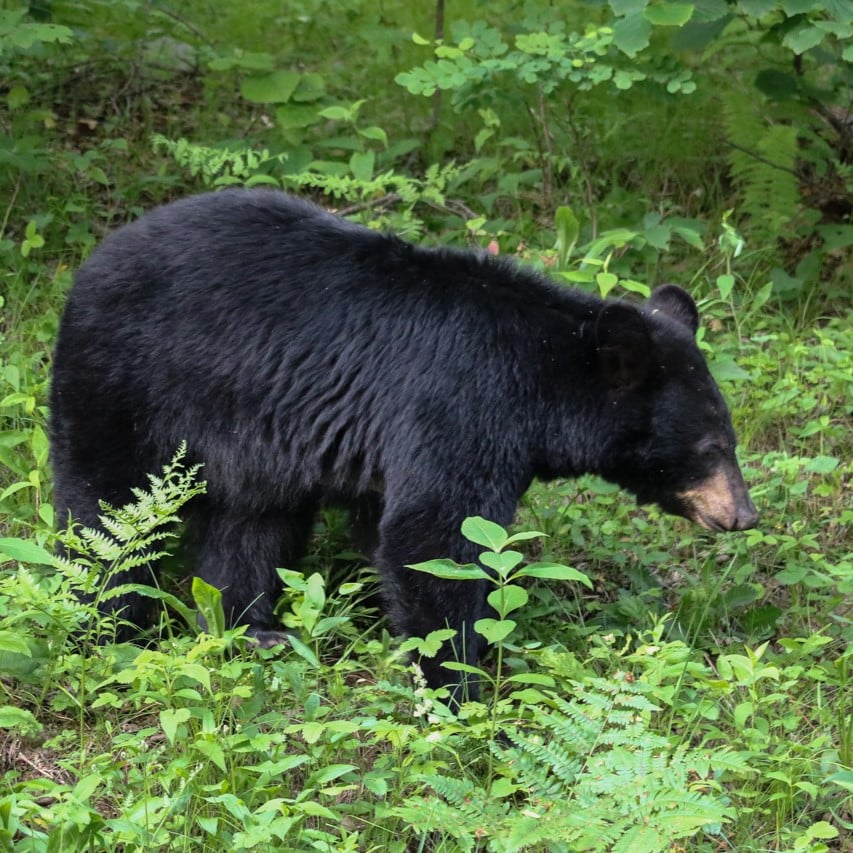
(419, 603)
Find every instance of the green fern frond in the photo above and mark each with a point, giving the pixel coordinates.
(762, 162)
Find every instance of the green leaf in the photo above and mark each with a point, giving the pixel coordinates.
(494, 630)
(483, 532)
(843, 778)
(803, 38)
(508, 598)
(554, 572)
(18, 718)
(212, 750)
(208, 599)
(428, 646)
(170, 719)
(757, 8)
(502, 563)
(606, 281)
(822, 465)
(524, 536)
(724, 368)
(627, 7)
(377, 134)
(303, 651)
(25, 551)
(361, 165)
(311, 87)
(449, 570)
(292, 116)
(568, 229)
(669, 14)
(631, 34)
(330, 773)
(336, 113)
(14, 642)
(274, 88)
(725, 283)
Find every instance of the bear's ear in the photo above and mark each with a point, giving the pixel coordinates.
(676, 303)
(624, 346)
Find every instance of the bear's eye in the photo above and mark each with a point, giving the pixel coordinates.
(711, 448)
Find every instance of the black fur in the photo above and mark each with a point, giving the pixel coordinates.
(303, 357)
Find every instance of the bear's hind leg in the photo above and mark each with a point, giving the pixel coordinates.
(239, 552)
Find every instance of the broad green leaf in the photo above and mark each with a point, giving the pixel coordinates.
(554, 572)
(361, 165)
(14, 642)
(725, 283)
(628, 7)
(303, 651)
(822, 465)
(377, 134)
(20, 719)
(606, 281)
(502, 563)
(568, 229)
(212, 750)
(483, 532)
(843, 778)
(208, 599)
(25, 551)
(459, 666)
(329, 773)
(724, 368)
(524, 536)
(494, 630)
(631, 34)
(803, 38)
(449, 570)
(508, 598)
(170, 719)
(335, 113)
(757, 8)
(669, 14)
(292, 116)
(311, 87)
(274, 88)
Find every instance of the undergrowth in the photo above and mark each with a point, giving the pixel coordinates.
(654, 688)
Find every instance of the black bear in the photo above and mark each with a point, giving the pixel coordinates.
(303, 357)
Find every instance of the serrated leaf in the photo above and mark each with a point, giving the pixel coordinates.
(274, 88)
(483, 532)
